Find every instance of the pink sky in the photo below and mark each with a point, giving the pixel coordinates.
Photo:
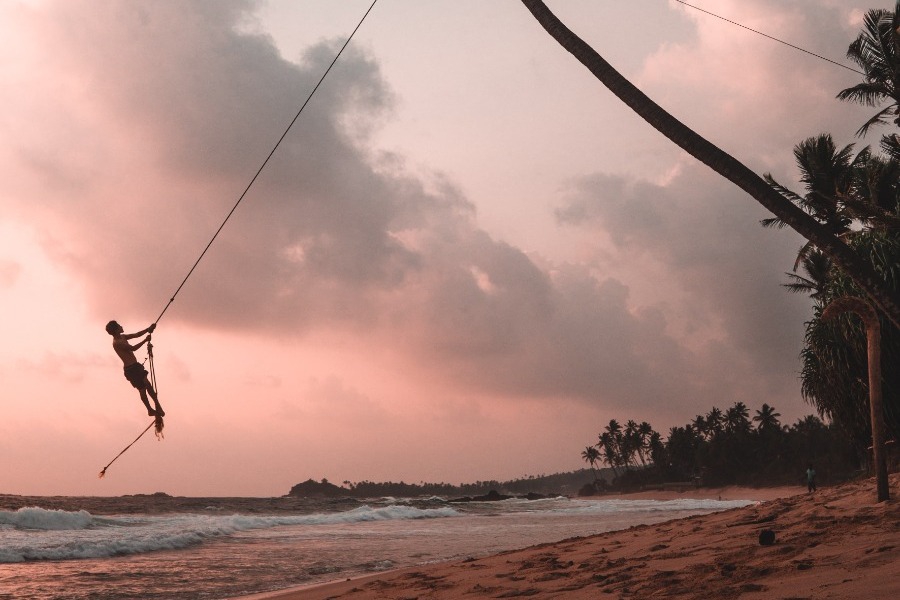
(464, 260)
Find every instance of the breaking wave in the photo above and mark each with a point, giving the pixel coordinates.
(41, 534)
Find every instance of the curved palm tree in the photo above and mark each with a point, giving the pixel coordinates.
(876, 52)
(873, 339)
(721, 162)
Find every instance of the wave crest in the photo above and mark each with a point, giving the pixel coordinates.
(44, 519)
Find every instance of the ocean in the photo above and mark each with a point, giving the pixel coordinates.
(153, 547)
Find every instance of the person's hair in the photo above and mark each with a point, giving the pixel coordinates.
(111, 327)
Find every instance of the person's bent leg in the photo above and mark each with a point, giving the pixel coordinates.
(150, 411)
(152, 392)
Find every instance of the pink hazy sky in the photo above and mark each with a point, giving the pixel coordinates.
(465, 259)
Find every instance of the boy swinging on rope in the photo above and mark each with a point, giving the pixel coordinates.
(135, 372)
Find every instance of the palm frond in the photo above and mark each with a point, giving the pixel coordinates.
(792, 196)
(880, 117)
(867, 93)
(775, 222)
(890, 144)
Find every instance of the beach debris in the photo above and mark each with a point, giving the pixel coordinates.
(766, 537)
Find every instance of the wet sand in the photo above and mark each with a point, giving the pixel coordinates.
(836, 543)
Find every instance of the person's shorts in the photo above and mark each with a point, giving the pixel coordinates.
(136, 374)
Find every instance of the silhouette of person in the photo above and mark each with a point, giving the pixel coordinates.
(810, 479)
(134, 371)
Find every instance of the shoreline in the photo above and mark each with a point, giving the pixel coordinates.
(836, 543)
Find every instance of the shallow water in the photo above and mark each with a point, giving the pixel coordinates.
(51, 554)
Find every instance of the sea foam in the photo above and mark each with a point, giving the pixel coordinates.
(44, 519)
(41, 534)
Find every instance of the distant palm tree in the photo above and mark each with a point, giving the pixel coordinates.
(609, 451)
(657, 449)
(614, 443)
(591, 455)
(715, 421)
(645, 431)
(767, 419)
(631, 443)
(737, 418)
(700, 427)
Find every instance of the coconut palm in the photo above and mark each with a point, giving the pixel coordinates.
(699, 426)
(657, 447)
(767, 419)
(609, 451)
(682, 447)
(828, 176)
(737, 418)
(874, 194)
(631, 443)
(818, 269)
(715, 421)
(834, 362)
(645, 432)
(591, 455)
(876, 52)
(721, 162)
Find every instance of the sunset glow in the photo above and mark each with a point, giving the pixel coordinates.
(465, 258)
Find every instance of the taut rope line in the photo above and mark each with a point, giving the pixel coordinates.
(266, 161)
(157, 421)
(103, 472)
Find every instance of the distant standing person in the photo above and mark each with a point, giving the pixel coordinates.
(810, 479)
(135, 372)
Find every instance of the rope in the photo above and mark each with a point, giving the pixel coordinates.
(834, 62)
(103, 472)
(266, 161)
(158, 421)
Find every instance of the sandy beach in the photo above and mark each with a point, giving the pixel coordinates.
(836, 543)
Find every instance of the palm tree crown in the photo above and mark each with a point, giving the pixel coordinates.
(875, 50)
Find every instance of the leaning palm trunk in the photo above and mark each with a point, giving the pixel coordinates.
(876, 410)
(721, 162)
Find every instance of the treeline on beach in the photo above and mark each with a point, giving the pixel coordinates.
(720, 448)
(557, 483)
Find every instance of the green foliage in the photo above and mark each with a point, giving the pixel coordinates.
(856, 197)
(834, 375)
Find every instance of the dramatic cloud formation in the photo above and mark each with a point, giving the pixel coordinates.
(358, 288)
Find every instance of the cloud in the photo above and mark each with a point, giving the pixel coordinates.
(699, 240)
(750, 94)
(67, 369)
(9, 272)
(170, 110)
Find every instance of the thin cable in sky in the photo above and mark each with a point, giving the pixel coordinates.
(771, 37)
(266, 161)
